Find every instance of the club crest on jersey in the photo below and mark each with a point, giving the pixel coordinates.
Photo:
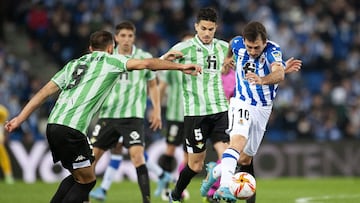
(198, 49)
(276, 55)
(262, 59)
(261, 62)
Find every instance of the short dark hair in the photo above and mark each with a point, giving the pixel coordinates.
(125, 25)
(99, 40)
(207, 14)
(253, 29)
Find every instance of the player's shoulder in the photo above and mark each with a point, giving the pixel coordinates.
(272, 45)
(143, 53)
(273, 50)
(221, 42)
(184, 44)
(237, 40)
(117, 57)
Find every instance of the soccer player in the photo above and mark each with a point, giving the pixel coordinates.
(259, 69)
(121, 118)
(84, 84)
(5, 163)
(292, 65)
(205, 104)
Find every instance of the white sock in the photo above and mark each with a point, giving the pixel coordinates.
(217, 171)
(111, 170)
(228, 166)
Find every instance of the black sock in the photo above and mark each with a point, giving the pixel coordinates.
(167, 163)
(79, 192)
(249, 169)
(63, 188)
(144, 182)
(184, 179)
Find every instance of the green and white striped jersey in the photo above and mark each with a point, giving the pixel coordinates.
(203, 94)
(85, 83)
(174, 104)
(127, 98)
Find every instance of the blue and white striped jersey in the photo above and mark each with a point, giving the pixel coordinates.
(256, 95)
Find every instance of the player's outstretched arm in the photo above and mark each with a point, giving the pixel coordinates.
(159, 64)
(277, 75)
(49, 89)
(292, 65)
(172, 55)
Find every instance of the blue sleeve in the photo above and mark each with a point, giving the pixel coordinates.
(274, 54)
(236, 43)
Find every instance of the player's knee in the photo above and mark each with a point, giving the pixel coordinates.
(84, 177)
(137, 155)
(196, 166)
(245, 160)
(137, 159)
(167, 163)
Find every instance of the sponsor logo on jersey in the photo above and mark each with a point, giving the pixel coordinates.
(276, 55)
(200, 145)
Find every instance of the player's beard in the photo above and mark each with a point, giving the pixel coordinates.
(207, 40)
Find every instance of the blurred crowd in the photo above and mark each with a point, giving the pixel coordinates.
(322, 102)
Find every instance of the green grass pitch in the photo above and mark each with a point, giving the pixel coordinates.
(280, 190)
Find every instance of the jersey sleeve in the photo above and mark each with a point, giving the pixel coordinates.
(274, 54)
(150, 75)
(178, 47)
(60, 77)
(118, 62)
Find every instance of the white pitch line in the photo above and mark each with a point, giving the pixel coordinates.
(325, 197)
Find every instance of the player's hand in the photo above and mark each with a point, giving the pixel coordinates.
(12, 124)
(191, 69)
(172, 55)
(228, 63)
(292, 65)
(155, 120)
(253, 78)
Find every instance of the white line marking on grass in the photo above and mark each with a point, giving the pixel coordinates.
(322, 199)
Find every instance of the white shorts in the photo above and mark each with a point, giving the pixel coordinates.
(248, 121)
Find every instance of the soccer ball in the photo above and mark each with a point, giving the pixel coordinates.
(243, 185)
